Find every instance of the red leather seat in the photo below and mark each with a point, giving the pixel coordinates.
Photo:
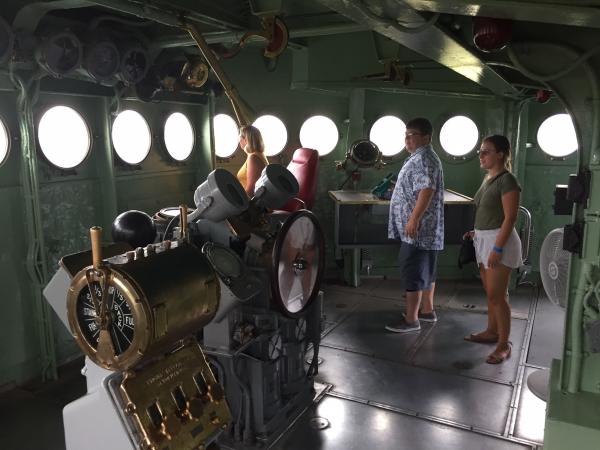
(305, 167)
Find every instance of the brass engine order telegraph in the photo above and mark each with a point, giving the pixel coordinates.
(138, 314)
(141, 304)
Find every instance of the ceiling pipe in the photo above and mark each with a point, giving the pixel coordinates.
(167, 17)
(235, 37)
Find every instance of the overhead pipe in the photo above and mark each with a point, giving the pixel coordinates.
(243, 112)
(170, 18)
(221, 37)
(36, 264)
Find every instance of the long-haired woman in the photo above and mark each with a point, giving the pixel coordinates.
(497, 245)
(251, 142)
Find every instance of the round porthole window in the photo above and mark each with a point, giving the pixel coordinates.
(388, 134)
(556, 136)
(131, 137)
(273, 132)
(179, 136)
(320, 134)
(64, 137)
(459, 136)
(226, 135)
(3, 142)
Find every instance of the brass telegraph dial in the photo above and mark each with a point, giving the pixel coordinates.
(105, 313)
(142, 304)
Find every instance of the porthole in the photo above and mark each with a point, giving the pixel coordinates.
(556, 136)
(320, 134)
(3, 142)
(64, 137)
(388, 134)
(273, 132)
(459, 136)
(131, 137)
(179, 136)
(226, 135)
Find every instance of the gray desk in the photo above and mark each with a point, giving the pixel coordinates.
(361, 220)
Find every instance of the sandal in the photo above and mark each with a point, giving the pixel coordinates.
(497, 357)
(481, 338)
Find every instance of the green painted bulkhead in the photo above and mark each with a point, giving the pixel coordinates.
(332, 67)
(320, 78)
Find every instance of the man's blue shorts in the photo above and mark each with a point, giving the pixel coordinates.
(418, 267)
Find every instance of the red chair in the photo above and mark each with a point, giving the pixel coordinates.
(305, 167)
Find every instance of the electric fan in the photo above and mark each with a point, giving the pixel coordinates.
(554, 265)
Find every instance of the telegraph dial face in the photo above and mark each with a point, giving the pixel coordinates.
(120, 340)
(121, 323)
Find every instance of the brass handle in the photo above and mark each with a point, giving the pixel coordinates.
(183, 222)
(96, 238)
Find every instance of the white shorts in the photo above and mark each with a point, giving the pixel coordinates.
(484, 241)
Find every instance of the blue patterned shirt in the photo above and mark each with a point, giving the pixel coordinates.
(422, 169)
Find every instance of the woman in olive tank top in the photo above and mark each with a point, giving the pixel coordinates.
(497, 245)
(251, 142)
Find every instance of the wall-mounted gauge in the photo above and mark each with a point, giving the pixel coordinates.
(59, 53)
(101, 60)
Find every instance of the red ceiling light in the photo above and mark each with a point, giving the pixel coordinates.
(491, 35)
(543, 95)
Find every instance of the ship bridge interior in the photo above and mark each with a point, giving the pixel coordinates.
(111, 106)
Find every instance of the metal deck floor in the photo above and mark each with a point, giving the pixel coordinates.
(429, 389)
(426, 390)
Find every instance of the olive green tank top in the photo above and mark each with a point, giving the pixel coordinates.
(489, 213)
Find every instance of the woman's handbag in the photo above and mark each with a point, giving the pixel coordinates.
(466, 253)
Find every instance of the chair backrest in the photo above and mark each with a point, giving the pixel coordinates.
(305, 167)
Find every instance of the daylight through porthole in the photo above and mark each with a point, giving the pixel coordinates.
(64, 137)
(388, 134)
(131, 137)
(3, 142)
(459, 136)
(556, 136)
(273, 132)
(226, 135)
(179, 136)
(320, 134)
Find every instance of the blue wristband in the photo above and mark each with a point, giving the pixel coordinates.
(498, 249)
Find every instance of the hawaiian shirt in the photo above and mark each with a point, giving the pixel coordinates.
(422, 169)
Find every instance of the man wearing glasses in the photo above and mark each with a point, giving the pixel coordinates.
(417, 219)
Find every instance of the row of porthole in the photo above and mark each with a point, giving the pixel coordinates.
(458, 136)
(65, 141)
(132, 138)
